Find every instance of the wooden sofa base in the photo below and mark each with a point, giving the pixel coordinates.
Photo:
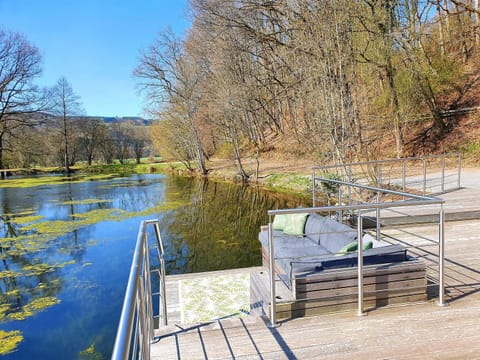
(336, 289)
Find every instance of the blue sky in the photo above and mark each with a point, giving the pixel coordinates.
(95, 44)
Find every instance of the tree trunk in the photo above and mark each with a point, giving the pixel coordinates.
(447, 16)
(65, 143)
(397, 125)
(440, 28)
(476, 4)
(462, 34)
(238, 160)
(2, 173)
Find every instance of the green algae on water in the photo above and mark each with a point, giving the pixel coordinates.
(85, 202)
(9, 341)
(33, 307)
(34, 270)
(28, 182)
(20, 220)
(90, 354)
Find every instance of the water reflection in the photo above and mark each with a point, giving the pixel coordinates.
(218, 228)
(65, 250)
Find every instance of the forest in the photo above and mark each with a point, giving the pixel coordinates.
(335, 81)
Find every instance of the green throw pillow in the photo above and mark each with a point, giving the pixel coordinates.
(279, 222)
(295, 224)
(367, 245)
(348, 248)
(353, 247)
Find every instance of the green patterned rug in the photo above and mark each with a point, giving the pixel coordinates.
(214, 297)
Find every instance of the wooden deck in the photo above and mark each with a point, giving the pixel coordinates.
(462, 204)
(417, 331)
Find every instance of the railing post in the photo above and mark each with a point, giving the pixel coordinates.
(340, 212)
(350, 176)
(441, 258)
(360, 263)
(313, 189)
(379, 175)
(443, 174)
(424, 176)
(273, 310)
(163, 288)
(404, 171)
(143, 321)
(147, 289)
(459, 169)
(377, 213)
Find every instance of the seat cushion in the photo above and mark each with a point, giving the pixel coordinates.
(298, 250)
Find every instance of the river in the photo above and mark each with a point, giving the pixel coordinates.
(66, 251)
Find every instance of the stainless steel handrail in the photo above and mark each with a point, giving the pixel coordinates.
(402, 165)
(416, 200)
(136, 326)
(385, 161)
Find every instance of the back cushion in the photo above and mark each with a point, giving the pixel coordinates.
(313, 227)
(336, 235)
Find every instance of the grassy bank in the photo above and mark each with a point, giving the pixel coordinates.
(293, 181)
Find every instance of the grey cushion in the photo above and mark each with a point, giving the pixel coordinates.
(280, 237)
(302, 249)
(313, 226)
(263, 237)
(336, 235)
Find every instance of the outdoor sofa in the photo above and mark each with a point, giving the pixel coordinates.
(316, 262)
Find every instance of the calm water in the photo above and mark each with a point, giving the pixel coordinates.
(76, 254)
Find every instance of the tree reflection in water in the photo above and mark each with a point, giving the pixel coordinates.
(218, 228)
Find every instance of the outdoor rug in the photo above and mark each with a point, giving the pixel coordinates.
(214, 297)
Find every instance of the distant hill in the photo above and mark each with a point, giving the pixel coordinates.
(136, 120)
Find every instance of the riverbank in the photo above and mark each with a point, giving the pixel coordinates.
(288, 176)
(273, 172)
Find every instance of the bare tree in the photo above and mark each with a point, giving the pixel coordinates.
(65, 106)
(20, 99)
(140, 142)
(92, 133)
(171, 79)
(121, 134)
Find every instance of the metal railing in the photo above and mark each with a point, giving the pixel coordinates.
(436, 173)
(360, 209)
(136, 327)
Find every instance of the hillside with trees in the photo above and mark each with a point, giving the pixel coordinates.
(331, 81)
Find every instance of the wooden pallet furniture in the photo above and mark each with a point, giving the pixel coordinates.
(336, 289)
(315, 274)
